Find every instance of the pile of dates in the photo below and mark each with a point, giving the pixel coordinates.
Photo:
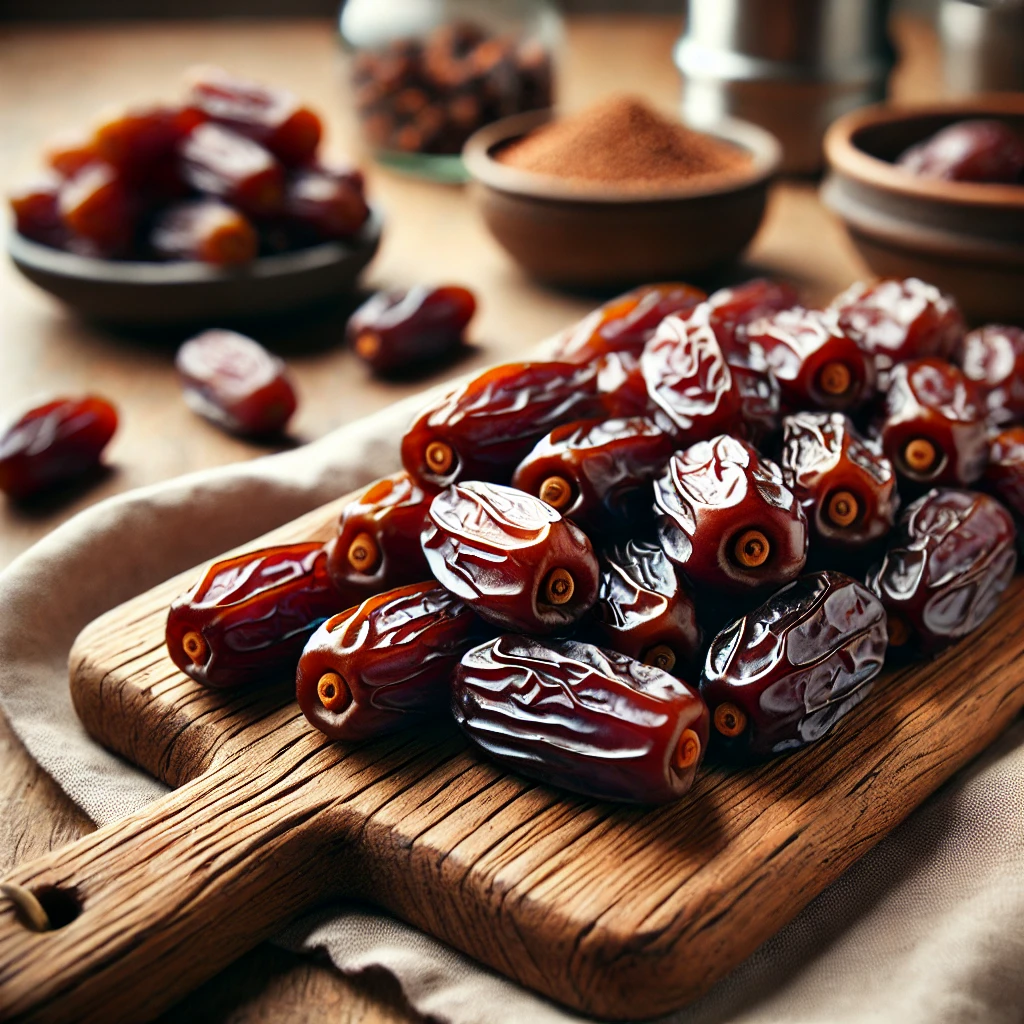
(699, 521)
(230, 173)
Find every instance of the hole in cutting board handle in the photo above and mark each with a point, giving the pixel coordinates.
(43, 909)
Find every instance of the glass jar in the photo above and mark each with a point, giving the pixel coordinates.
(426, 74)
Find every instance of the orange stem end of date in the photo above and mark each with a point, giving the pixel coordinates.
(730, 720)
(193, 644)
(556, 491)
(439, 457)
(661, 656)
(559, 587)
(687, 750)
(333, 692)
(842, 509)
(920, 455)
(751, 549)
(835, 379)
(363, 553)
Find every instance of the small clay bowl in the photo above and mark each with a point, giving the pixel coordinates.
(581, 234)
(965, 237)
(146, 295)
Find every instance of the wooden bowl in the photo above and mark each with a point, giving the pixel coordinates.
(139, 294)
(584, 235)
(965, 237)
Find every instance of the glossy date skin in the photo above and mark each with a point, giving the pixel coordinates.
(401, 330)
(377, 546)
(934, 426)
(951, 556)
(386, 664)
(1004, 473)
(54, 444)
(597, 472)
(726, 518)
(245, 621)
(993, 358)
(971, 150)
(781, 677)
(644, 610)
(204, 230)
(730, 310)
(581, 718)
(510, 556)
(486, 427)
(846, 486)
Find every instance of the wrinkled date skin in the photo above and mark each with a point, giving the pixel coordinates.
(644, 610)
(248, 617)
(815, 364)
(621, 386)
(625, 324)
(204, 230)
(726, 518)
(597, 472)
(378, 542)
(386, 664)
(780, 677)
(1004, 473)
(400, 330)
(235, 383)
(486, 427)
(511, 556)
(582, 718)
(898, 320)
(974, 150)
(950, 558)
(993, 358)
(54, 444)
(934, 426)
(690, 382)
(730, 310)
(846, 486)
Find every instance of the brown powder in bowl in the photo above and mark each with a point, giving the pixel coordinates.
(626, 142)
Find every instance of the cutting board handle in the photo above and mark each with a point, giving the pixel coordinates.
(144, 910)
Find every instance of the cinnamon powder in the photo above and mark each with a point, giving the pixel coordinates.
(626, 142)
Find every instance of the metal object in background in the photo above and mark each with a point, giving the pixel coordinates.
(792, 66)
(982, 45)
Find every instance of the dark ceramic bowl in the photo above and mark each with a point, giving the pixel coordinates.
(139, 294)
(965, 237)
(589, 235)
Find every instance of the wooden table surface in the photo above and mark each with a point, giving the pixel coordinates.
(53, 79)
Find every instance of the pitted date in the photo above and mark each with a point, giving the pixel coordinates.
(1004, 473)
(951, 556)
(248, 617)
(624, 324)
(993, 358)
(385, 665)
(582, 718)
(378, 542)
(780, 677)
(815, 364)
(934, 426)
(644, 610)
(597, 472)
(846, 486)
(690, 382)
(511, 556)
(727, 519)
(486, 427)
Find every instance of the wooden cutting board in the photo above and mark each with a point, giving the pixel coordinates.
(613, 911)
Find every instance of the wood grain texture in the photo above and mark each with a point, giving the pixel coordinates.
(619, 912)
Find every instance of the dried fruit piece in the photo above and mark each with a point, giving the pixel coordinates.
(325, 205)
(511, 556)
(781, 676)
(97, 206)
(972, 150)
(576, 716)
(204, 230)
(951, 556)
(36, 209)
(993, 358)
(385, 665)
(245, 621)
(1005, 471)
(142, 144)
(727, 519)
(236, 383)
(54, 443)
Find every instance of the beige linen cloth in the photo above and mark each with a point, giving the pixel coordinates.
(928, 927)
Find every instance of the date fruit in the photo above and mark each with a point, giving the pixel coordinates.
(582, 718)
(378, 541)
(236, 383)
(54, 444)
(1004, 473)
(993, 358)
(730, 310)
(644, 610)
(951, 556)
(385, 665)
(247, 618)
(96, 206)
(934, 426)
(781, 676)
(485, 428)
(727, 519)
(204, 230)
(403, 330)
(36, 209)
(597, 472)
(510, 556)
(846, 486)
(973, 150)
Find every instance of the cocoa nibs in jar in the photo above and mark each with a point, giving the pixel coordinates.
(624, 141)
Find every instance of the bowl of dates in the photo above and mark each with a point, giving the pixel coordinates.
(937, 192)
